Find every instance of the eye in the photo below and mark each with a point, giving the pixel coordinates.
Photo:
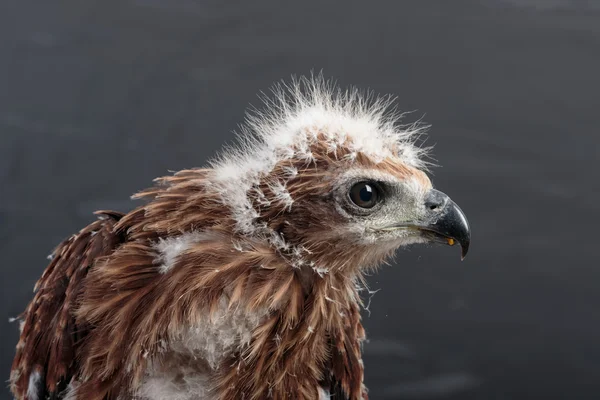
(364, 194)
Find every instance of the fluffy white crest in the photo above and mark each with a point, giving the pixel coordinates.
(290, 123)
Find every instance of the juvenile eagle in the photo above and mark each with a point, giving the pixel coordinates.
(241, 280)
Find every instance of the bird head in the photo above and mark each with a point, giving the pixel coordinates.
(333, 180)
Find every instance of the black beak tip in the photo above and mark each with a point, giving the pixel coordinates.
(464, 247)
(458, 228)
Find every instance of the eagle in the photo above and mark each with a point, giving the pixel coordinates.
(241, 279)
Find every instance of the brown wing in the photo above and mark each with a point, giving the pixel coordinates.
(45, 359)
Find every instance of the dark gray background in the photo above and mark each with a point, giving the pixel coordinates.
(98, 97)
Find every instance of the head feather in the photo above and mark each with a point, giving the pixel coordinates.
(297, 116)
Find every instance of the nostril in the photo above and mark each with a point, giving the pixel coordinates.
(433, 206)
(435, 200)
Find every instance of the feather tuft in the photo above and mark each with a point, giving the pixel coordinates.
(298, 115)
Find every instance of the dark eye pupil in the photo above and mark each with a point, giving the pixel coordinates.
(364, 194)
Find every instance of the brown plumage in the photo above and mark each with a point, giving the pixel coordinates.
(239, 281)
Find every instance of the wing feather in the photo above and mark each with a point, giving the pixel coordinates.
(45, 359)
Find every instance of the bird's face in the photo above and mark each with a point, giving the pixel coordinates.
(390, 205)
(358, 210)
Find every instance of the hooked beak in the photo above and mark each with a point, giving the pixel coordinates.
(446, 221)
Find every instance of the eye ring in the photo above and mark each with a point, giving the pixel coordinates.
(365, 194)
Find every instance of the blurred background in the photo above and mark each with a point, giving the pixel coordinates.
(98, 97)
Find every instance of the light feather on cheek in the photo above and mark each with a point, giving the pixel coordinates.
(407, 189)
